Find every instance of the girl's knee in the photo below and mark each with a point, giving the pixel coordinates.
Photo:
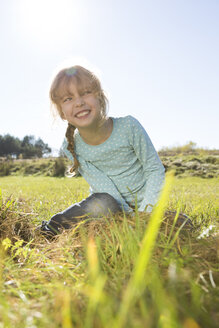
(102, 204)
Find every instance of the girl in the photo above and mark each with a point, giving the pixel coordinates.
(114, 155)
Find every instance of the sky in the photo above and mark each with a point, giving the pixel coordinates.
(157, 60)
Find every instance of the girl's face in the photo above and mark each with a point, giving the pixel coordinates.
(81, 107)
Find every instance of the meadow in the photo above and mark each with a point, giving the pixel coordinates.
(125, 271)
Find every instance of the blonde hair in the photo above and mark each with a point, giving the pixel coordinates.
(83, 79)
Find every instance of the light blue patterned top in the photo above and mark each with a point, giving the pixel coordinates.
(126, 165)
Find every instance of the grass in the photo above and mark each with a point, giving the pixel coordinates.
(127, 271)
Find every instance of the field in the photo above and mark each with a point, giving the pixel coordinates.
(126, 271)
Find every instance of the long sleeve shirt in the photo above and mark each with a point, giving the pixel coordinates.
(126, 165)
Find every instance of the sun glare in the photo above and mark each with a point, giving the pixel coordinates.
(51, 20)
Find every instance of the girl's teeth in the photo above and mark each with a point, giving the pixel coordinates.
(82, 113)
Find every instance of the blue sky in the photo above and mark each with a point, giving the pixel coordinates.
(157, 60)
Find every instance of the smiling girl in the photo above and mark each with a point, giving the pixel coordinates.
(114, 155)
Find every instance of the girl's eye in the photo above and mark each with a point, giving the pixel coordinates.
(86, 92)
(67, 99)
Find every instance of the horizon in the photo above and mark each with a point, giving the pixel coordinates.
(190, 145)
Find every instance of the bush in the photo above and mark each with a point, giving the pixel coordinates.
(5, 169)
(59, 167)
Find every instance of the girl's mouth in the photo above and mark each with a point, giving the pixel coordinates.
(82, 113)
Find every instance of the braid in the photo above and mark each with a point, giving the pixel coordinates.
(70, 138)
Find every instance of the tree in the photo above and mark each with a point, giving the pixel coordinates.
(34, 148)
(9, 146)
(42, 148)
(28, 147)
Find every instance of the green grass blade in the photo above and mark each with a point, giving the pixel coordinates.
(145, 253)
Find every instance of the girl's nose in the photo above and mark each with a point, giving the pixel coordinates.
(79, 101)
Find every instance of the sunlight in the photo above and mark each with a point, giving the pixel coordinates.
(51, 20)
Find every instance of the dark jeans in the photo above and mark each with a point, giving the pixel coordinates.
(96, 205)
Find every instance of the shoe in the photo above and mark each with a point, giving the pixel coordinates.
(182, 221)
(47, 231)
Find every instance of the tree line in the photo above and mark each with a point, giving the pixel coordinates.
(28, 147)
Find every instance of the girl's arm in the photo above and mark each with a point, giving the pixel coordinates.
(154, 171)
